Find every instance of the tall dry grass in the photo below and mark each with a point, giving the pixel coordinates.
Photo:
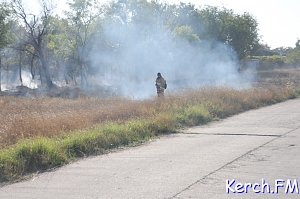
(61, 130)
(23, 118)
(49, 117)
(38, 134)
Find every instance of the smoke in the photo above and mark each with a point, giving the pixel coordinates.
(128, 56)
(10, 80)
(126, 53)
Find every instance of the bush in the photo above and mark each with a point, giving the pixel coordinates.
(293, 57)
(271, 61)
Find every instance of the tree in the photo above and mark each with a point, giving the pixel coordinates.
(187, 33)
(4, 34)
(282, 51)
(82, 16)
(298, 43)
(242, 35)
(293, 57)
(238, 31)
(4, 26)
(62, 48)
(36, 30)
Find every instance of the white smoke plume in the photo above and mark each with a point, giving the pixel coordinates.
(10, 80)
(128, 57)
(125, 55)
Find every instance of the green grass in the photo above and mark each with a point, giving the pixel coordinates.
(194, 115)
(39, 154)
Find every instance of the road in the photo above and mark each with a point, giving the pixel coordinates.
(255, 145)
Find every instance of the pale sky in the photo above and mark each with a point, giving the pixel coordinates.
(279, 20)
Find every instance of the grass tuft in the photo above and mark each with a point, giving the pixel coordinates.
(194, 115)
(29, 156)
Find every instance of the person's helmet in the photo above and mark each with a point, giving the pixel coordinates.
(158, 75)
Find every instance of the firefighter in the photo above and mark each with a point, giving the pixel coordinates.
(161, 85)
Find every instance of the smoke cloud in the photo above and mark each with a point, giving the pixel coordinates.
(125, 55)
(10, 80)
(128, 57)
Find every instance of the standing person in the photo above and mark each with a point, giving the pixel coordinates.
(161, 85)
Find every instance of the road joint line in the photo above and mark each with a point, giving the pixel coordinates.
(228, 163)
(233, 134)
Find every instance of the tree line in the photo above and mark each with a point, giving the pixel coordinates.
(57, 47)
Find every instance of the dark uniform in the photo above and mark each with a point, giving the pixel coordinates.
(161, 85)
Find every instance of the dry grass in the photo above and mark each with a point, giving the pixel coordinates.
(287, 76)
(60, 130)
(26, 118)
(23, 118)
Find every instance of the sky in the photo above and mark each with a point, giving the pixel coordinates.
(279, 20)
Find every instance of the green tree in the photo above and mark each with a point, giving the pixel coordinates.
(186, 33)
(241, 34)
(293, 57)
(238, 31)
(298, 43)
(62, 47)
(4, 26)
(4, 32)
(82, 17)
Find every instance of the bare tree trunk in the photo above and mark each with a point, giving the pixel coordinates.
(45, 74)
(40, 73)
(20, 69)
(31, 67)
(36, 33)
(66, 79)
(20, 75)
(83, 76)
(74, 80)
(0, 72)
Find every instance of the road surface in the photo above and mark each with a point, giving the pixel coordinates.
(259, 144)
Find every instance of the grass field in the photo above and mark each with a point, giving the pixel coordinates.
(26, 118)
(288, 76)
(38, 134)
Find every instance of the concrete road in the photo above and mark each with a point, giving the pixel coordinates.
(259, 144)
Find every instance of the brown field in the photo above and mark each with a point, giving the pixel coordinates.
(279, 76)
(24, 118)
